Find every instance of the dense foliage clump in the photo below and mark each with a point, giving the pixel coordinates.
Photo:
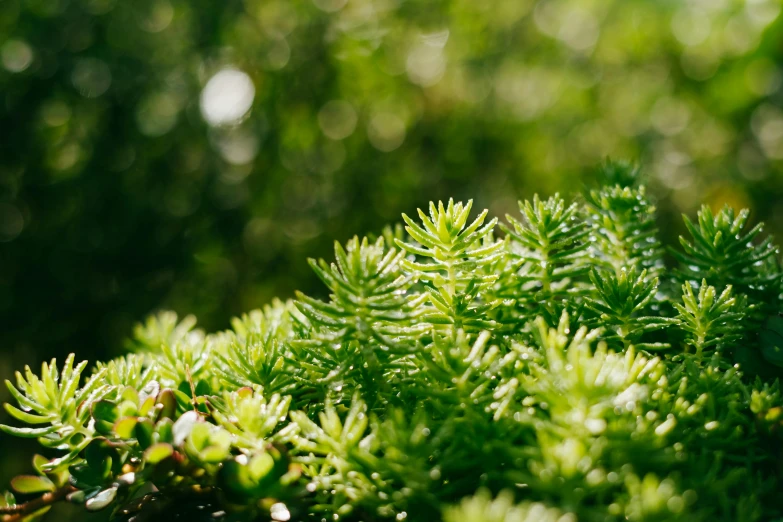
(122, 192)
(561, 372)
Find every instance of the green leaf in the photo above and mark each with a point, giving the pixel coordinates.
(32, 484)
(104, 411)
(66, 460)
(28, 433)
(158, 452)
(101, 500)
(124, 427)
(29, 418)
(38, 462)
(184, 402)
(144, 432)
(7, 499)
(167, 403)
(213, 454)
(163, 430)
(105, 414)
(199, 435)
(260, 465)
(236, 478)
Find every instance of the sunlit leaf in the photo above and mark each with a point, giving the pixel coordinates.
(32, 484)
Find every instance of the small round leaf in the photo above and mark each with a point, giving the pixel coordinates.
(158, 452)
(101, 500)
(32, 484)
(124, 427)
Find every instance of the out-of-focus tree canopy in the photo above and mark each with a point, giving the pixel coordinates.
(189, 155)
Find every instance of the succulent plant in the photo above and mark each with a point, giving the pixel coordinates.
(563, 372)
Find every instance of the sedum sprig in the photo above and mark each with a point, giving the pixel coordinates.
(483, 508)
(722, 252)
(450, 257)
(622, 307)
(551, 247)
(253, 419)
(710, 321)
(623, 230)
(253, 353)
(359, 334)
(55, 402)
(368, 297)
(128, 370)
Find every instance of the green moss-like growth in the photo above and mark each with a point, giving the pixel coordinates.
(450, 375)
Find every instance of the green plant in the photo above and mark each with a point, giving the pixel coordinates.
(449, 376)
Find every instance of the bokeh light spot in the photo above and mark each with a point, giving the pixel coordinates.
(528, 92)
(157, 113)
(66, 157)
(690, 26)
(762, 12)
(91, 77)
(670, 116)
(740, 35)
(763, 77)
(278, 54)
(238, 147)
(337, 119)
(386, 131)
(579, 29)
(436, 39)
(227, 97)
(698, 66)
(767, 125)
(16, 56)
(55, 113)
(425, 64)
(155, 16)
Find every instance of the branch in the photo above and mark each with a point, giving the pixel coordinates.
(19, 511)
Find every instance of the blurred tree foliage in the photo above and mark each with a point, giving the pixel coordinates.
(191, 154)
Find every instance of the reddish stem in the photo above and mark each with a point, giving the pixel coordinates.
(19, 511)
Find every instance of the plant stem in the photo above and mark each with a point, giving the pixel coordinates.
(20, 511)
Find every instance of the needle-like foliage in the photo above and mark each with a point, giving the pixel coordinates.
(252, 354)
(622, 307)
(722, 252)
(358, 336)
(550, 247)
(450, 257)
(448, 375)
(624, 234)
(710, 321)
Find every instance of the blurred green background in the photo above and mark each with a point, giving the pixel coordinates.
(191, 155)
